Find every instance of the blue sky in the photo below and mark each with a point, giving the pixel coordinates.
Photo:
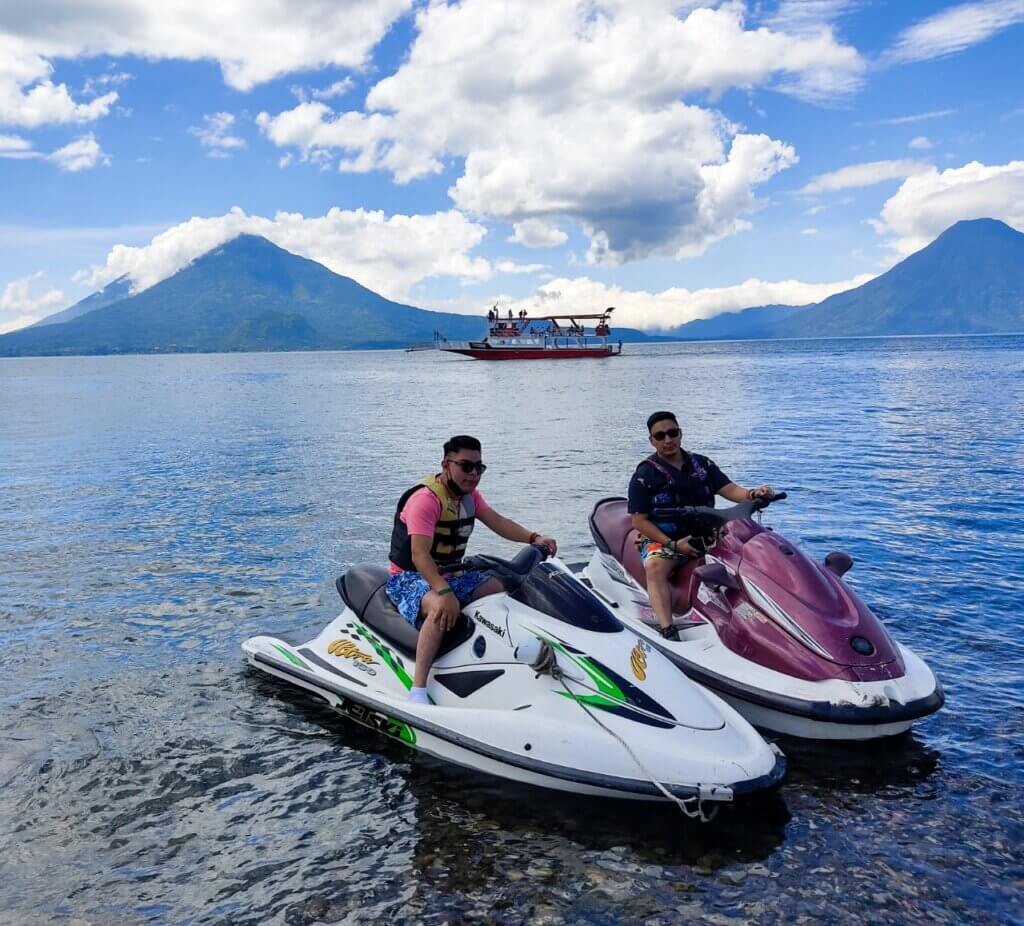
(674, 159)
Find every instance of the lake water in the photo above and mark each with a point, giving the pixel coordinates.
(155, 511)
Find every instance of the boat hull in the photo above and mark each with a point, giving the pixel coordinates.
(555, 353)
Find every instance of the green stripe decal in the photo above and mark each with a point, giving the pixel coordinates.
(387, 657)
(593, 700)
(604, 684)
(290, 656)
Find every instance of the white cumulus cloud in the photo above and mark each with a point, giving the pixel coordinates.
(860, 175)
(920, 143)
(28, 96)
(253, 41)
(20, 306)
(573, 110)
(83, 153)
(536, 233)
(675, 306)
(927, 204)
(388, 254)
(15, 147)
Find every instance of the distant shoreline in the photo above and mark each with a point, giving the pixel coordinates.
(662, 341)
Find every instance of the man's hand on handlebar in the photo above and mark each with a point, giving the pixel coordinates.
(549, 543)
(682, 547)
(762, 492)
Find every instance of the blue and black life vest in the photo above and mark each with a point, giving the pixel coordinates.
(675, 493)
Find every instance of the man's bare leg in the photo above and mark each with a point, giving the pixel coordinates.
(658, 570)
(431, 635)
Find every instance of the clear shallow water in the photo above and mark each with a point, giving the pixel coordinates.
(157, 510)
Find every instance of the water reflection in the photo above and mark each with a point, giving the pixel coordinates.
(749, 830)
(890, 768)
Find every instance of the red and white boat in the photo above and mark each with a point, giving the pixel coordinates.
(538, 337)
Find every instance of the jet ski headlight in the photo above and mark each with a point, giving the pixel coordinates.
(777, 613)
(862, 646)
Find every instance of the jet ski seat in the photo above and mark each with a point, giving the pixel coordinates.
(362, 589)
(612, 529)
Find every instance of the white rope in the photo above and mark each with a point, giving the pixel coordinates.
(693, 813)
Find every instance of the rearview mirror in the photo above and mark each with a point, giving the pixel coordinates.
(839, 562)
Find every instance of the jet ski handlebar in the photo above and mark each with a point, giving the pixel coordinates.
(518, 567)
(718, 516)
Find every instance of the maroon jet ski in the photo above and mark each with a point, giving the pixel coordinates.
(779, 636)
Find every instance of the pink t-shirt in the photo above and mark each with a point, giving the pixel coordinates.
(421, 513)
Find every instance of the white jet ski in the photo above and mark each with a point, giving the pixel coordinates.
(539, 684)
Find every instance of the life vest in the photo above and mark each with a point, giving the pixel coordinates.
(451, 533)
(671, 494)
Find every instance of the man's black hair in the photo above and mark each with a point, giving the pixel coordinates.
(660, 416)
(461, 442)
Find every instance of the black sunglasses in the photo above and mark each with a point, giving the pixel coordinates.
(671, 432)
(469, 466)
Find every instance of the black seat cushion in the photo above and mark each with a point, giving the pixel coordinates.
(357, 586)
(362, 589)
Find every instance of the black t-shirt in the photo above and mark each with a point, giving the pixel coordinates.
(696, 484)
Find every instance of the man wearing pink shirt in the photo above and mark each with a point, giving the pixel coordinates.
(433, 522)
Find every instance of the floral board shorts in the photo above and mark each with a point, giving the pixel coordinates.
(651, 549)
(406, 591)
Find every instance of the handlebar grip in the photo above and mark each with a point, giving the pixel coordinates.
(673, 512)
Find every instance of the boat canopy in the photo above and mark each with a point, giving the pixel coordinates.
(573, 318)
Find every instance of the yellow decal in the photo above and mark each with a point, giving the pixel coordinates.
(638, 660)
(348, 650)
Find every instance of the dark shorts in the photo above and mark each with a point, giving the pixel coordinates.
(406, 591)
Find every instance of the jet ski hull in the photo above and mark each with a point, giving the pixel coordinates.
(824, 709)
(398, 722)
(792, 715)
(497, 715)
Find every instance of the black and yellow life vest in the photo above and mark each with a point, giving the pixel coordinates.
(451, 533)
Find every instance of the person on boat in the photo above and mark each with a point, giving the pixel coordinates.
(433, 523)
(672, 477)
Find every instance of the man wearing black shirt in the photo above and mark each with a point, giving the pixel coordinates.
(673, 478)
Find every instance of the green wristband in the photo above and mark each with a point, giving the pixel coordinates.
(447, 591)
